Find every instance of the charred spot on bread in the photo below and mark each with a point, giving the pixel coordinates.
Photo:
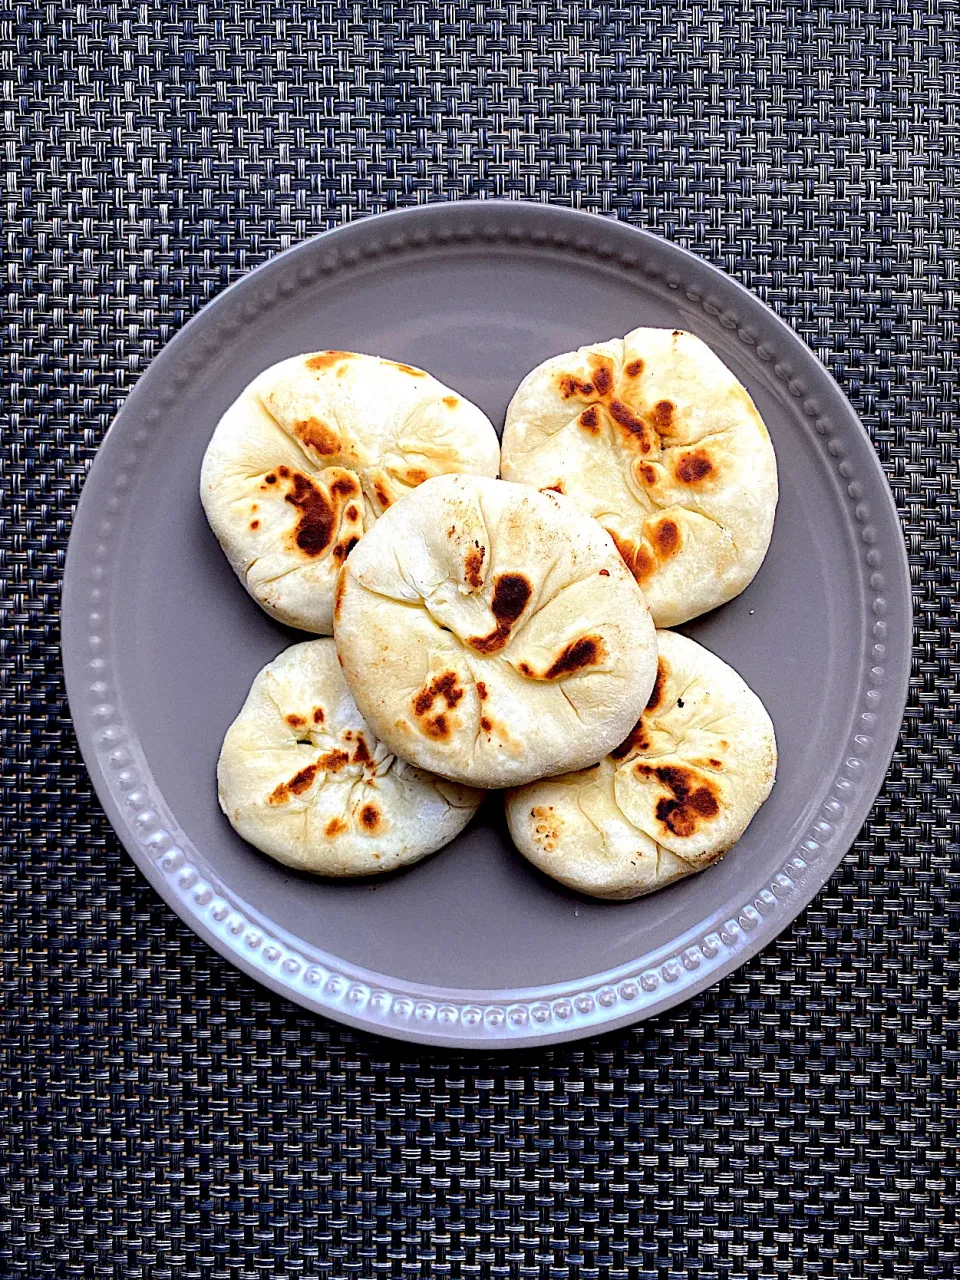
(694, 467)
(327, 359)
(587, 651)
(314, 528)
(473, 566)
(370, 817)
(511, 595)
(317, 435)
(590, 420)
(693, 800)
(656, 693)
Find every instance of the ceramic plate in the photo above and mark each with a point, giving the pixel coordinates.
(473, 947)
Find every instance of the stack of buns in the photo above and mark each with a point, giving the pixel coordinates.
(497, 633)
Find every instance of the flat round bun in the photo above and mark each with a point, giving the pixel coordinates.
(670, 800)
(656, 438)
(302, 777)
(491, 633)
(308, 457)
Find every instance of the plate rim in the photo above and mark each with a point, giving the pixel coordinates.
(574, 1008)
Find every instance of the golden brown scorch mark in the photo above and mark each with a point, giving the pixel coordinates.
(588, 651)
(315, 523)
(571, 386)
(331, 762)
(442, 686)
(370, 817)
(317, 435)
(318, 512)
(548, 826)
(343, 549)
(446, 688)
(634, 427)
(662, 542)
(694, 467)
(692, 802)
(666, 536)
(663, 415)
(659, 684)
(338, 596)
(511, 595)
(297, 784)
(437, 727)
(602, 370)
(585, 652)
(590, 420)
(473, 567)
(637, 558)
(600, 392)
(327, 359)
(314, 527)
(636, 740)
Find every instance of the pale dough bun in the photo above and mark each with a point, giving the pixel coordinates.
(491, 633)
(654, 436)
(302, 777)
(308, 457)
(670, 800)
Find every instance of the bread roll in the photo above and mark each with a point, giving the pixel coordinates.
(302, 777)
(311, 453)
(492, 634)
(656, 438)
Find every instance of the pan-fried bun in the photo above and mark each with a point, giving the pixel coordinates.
(302, 777)
(670, 799)
(657, 439)
(308, 457)
(492, 634)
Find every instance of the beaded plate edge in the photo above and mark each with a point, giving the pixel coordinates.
(378, 1002)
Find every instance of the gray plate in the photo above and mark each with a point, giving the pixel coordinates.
(473, 947)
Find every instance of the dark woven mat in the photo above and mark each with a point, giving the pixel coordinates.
(162, 1116)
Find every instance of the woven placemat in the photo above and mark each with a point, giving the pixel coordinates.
(162, 1116)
